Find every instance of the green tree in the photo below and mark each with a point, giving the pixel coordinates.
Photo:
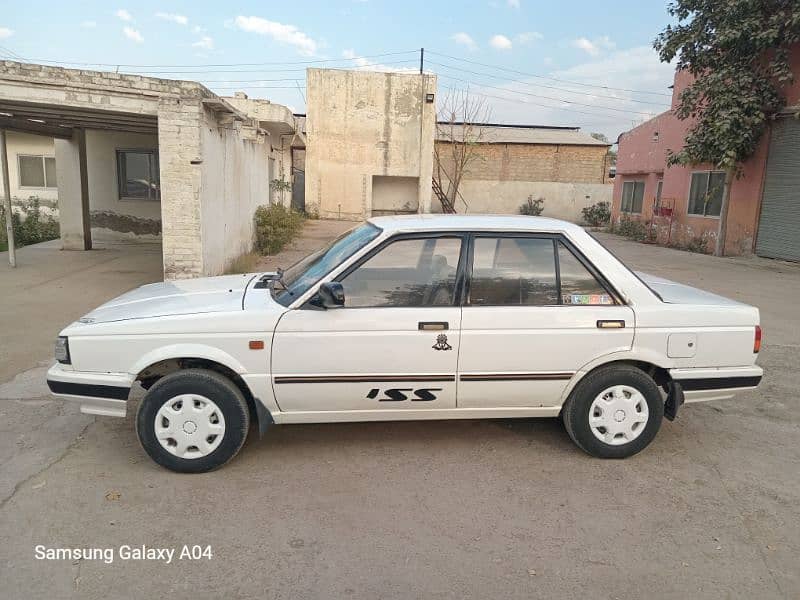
(738, 53)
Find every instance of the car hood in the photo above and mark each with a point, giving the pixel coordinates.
(183, 297)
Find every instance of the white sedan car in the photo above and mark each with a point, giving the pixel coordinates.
(419, 317)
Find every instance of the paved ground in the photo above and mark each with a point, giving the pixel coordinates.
(483, 509)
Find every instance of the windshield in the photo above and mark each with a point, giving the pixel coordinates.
(305, 273)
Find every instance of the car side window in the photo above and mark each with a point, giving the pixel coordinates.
(406, 273)
(578, 285)
(509, 271)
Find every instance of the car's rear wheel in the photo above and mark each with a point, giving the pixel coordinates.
(193, 421)
(614, 412)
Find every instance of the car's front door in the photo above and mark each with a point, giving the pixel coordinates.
(393, 345)
(534, 314)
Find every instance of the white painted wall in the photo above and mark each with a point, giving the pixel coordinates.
(561, 200)
(234, 182)
(36, 145)
(101, 157)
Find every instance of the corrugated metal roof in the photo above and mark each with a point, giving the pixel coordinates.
(492, 133)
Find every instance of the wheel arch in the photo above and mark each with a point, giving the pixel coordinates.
(165, 361)
(650, 363)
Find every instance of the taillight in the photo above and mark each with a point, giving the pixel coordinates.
(757, 340)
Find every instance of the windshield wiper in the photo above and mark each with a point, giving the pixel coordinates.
(269, 279)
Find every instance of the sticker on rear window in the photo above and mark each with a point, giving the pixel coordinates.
(589, 299)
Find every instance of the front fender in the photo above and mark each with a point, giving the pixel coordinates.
(174, 351)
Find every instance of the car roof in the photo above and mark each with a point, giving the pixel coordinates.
(438, 222)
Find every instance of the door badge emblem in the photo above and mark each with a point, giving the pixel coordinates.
(441, 343)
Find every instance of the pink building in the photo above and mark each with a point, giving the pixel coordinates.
(681, 204)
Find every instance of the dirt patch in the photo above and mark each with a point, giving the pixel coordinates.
(125, 223)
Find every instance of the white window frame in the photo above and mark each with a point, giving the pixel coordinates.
(44, 172)
(622, 197)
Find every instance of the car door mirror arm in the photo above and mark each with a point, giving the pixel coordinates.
(330, 295)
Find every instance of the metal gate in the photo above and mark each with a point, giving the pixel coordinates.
(779, 226)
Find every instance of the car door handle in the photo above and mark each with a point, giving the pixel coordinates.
(433, 325)
(611, 324)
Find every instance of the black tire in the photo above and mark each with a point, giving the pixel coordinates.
(211, 385)
(575, 413)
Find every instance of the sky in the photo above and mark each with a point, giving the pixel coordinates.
(574, 63)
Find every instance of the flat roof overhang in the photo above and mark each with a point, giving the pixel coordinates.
(58, 120)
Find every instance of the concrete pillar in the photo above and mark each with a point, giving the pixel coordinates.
(73, 192)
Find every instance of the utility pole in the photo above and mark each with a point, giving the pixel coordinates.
(12, 253)
(421, 60)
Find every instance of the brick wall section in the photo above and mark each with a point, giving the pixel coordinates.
(535, 162)
(179, 143)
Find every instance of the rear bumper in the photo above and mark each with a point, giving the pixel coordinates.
(103, 394)
(701, 385)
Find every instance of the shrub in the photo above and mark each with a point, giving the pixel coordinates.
(532, 207)
(34, 228)
(275, 226)
(631, 228)
(597, 215)
(245, 263)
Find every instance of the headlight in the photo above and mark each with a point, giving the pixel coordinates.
(62, 350)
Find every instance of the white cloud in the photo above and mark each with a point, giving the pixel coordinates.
(594, 47)
(363, 64)
(5, 32)
(175, 18)
(286, 34)
(635, 68)
(464, 39)
(132, 34)
(500, 42)
(528, 37)
(205, 43)
(197, 29)
(513, 3)
(89, 24)
(124, 15)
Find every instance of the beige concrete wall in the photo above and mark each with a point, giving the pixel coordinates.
(36, 145)
(360, 124)
(234, 182)
(113, 218)
(561, 200)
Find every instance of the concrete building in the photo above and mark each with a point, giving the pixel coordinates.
(147, 158)
(565, 167)
(369, 142)
(681, 204)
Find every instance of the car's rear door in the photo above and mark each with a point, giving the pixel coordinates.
(535, 312)
(394, 344)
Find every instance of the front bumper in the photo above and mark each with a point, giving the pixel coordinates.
(103, 394)
(701, 385)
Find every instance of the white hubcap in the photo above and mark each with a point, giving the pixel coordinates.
(189, 426)
(618, 415)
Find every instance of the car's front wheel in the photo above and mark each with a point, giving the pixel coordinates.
(614, 412)
(193, 421)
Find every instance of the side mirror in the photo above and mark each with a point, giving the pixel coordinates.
(331, 294)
